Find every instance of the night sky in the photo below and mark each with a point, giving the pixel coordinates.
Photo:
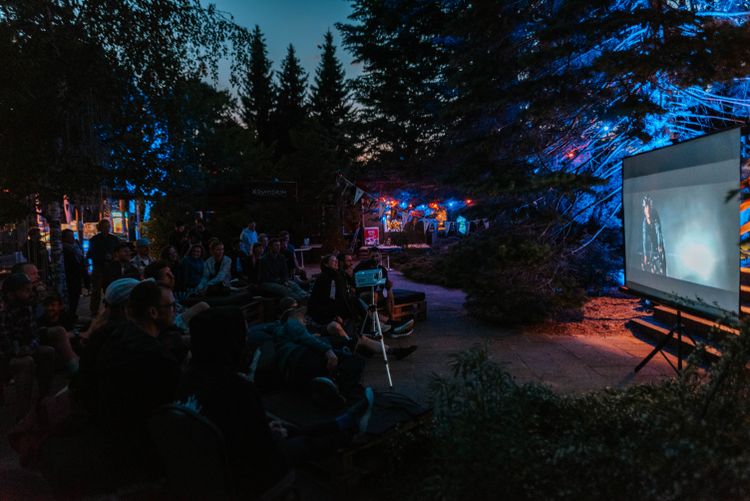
(299, 22)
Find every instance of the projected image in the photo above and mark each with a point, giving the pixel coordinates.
(681, 219)
(654, 259)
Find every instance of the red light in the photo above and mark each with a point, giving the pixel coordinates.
(469, 201)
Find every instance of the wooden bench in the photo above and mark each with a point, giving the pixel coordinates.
(409, 303)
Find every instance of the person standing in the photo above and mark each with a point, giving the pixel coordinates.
(36, 253)
(76, 272)
(248, 237)
(101, 251)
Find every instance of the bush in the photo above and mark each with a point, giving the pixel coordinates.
(516, 274)
(491, 438)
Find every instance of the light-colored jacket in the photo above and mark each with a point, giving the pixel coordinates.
(212, 276)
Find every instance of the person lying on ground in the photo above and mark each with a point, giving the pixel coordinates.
(260, 452)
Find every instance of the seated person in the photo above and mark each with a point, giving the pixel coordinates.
(171, 256)
(330, 305)
(217, 269)
(55, 314)
(38, 287)
(259, 453)
(142, 255)
(191, 268)
(308, 361)
(84, 383)
(160, 272)
(384, 293)
(252, 263)
(238, 261)
(120, 266)
(274, 275)
(26, 351)
(288, 251)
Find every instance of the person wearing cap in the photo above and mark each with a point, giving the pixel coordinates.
(101, 251)
(120, 267)
(142, 257)
(27, 352)
(84, 384)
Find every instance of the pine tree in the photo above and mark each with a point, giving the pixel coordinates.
(329, 96)
(290, 110)
(257, 96)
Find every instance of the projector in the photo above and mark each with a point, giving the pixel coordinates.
(369, 278)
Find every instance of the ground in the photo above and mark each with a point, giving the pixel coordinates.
(596, 352)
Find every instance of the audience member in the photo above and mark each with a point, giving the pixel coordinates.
(248, 238)
(179, 238)
(161, 272)
(35, 251)
(76, 270)
(121, 266)
(217, 270)
(274, 276)
(238, 259)
(259, 452)
(191, 267)
(55, 314)
(287, 249)
(309, 362)
(38, 288)
(172, 257)
(252, 263)
(142, 257)
(101, 252)
(29, 351)
(264, 242)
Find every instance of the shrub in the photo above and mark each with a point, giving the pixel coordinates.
(492, 438)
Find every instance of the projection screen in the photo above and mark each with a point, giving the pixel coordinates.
(682, 227)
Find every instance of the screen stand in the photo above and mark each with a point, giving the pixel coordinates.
(677, 330)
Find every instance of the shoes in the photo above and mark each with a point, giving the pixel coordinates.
(402, 353)
(393, 335)
(325, 393)
(400, 327)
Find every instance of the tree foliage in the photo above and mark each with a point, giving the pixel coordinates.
(257, 89)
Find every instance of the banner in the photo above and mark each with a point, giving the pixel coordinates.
(372, 236)
(358, 194)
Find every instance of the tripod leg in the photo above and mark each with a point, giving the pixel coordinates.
(659, 346)
(376, 321)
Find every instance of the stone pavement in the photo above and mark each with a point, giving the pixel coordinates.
(568, 363)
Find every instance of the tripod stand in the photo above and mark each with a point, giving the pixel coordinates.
(372, 315)
(677, 329)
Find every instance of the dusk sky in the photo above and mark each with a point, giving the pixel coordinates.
(299, 22)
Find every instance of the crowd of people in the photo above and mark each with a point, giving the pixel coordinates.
(143, 349)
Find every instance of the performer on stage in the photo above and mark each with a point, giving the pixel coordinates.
(654, 256)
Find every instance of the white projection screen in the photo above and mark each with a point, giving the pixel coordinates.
(682, 226)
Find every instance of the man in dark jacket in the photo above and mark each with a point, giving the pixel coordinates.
(274, 274)
(101, 251)
(76, 271)
(120, 267)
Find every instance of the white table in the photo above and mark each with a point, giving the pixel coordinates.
(303, 249)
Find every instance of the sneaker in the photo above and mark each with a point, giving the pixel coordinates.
(394, 335)
(399, 327)
(364, 420)
(325, 393)
(402, 353)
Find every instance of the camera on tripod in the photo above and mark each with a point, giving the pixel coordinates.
(369, 278)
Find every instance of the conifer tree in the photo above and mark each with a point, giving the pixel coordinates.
(329, 96)
(257, 93)
(290, 110)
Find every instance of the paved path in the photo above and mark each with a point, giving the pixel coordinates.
(569, 363)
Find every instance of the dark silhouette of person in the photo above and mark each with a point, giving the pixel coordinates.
(654, 255)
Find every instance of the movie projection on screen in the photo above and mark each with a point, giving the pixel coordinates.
(682, 225)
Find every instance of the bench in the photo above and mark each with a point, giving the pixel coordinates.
(409, 303)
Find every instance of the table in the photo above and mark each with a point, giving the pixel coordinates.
(304, 249)
(387, 249)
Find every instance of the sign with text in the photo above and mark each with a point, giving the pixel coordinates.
(272, 190)
(372, 236)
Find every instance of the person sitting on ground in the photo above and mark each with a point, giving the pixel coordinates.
(384, 293)
(191, 268)
(27, 351)
(330, 306)
(137, 375)
(274, 276)
(120, 267)
(288, 250)
(85, 385)
(239, 261)
(171, 256)
(160, 272)
(76, 270)
(248, 238)
(346, 269)
(253, 264)
(55, 314)
(217, 269)
(259, 452)
(38, 288)
(309, 362)
(142, 257)
(264, 242)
